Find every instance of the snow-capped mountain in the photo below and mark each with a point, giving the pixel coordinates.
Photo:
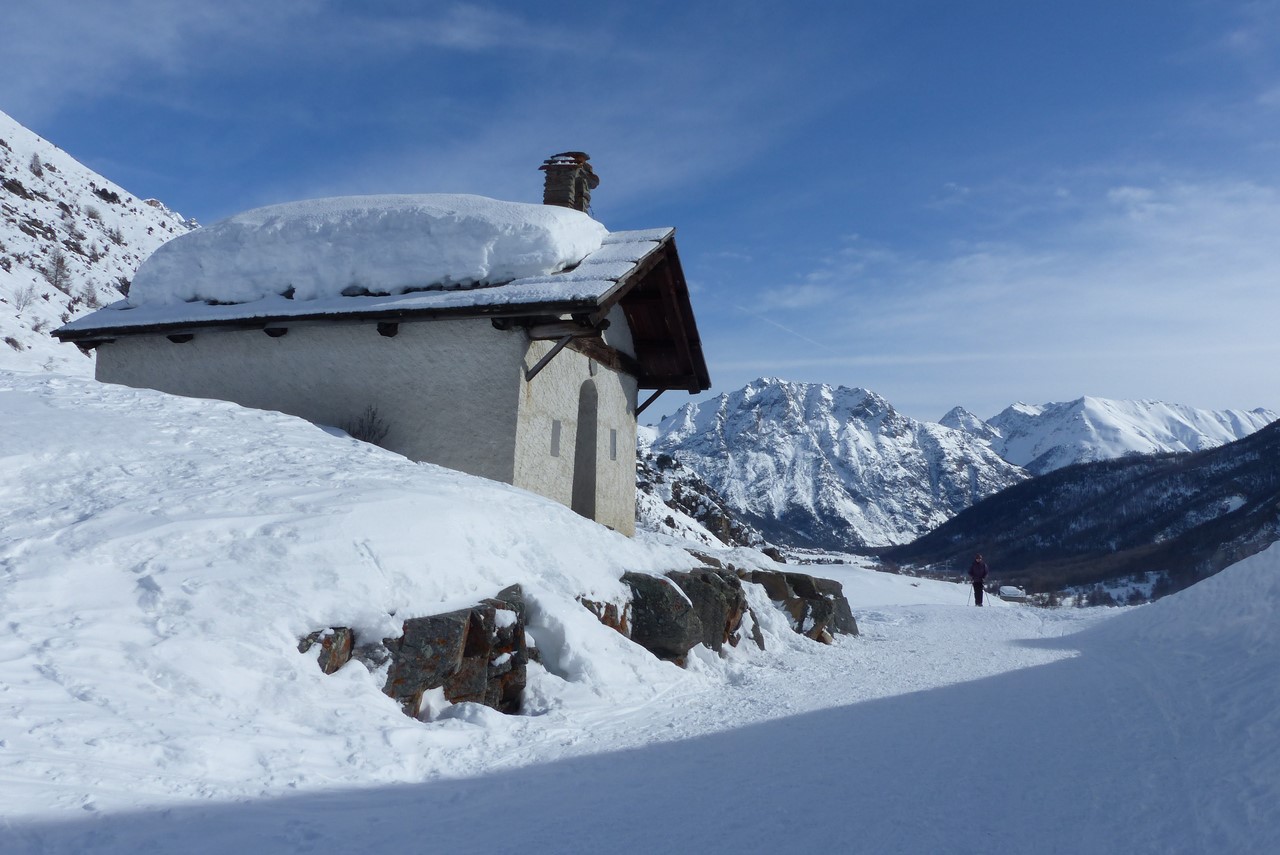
(70, 240)
(1047, 437)
(831, 467)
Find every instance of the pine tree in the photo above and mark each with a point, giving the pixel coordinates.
(57, 272)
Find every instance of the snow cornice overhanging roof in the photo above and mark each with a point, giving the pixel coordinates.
(583, 288)
(637, 270)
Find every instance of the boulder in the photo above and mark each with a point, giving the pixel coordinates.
(477, 655)
(718, 601)
(509, 654)
(335, 646)
(841, 619)
(663, 620)
(818, 607)
(425, 656)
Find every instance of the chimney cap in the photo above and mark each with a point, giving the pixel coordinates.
(569, 180)
(572, 160)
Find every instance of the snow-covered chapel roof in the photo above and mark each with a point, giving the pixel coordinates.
(402, 258)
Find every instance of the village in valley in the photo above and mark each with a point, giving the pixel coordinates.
(542, 500)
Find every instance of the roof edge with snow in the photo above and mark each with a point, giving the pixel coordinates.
(637, 270)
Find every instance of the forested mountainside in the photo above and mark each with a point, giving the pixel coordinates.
(1186, 516)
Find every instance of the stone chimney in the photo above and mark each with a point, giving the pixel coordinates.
(570, 180)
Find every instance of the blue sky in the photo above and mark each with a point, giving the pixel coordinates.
(948, 203)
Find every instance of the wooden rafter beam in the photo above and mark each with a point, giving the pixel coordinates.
(610, 357)
(675, 319)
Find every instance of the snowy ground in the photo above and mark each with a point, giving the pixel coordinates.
(158, 557)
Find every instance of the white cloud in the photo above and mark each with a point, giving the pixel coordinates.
(1165, 290)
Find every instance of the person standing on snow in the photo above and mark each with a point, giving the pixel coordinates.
(977, 574)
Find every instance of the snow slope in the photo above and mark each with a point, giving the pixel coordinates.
(50, 204)
(1050, 436)
(159, 557)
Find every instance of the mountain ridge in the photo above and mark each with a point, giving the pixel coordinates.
(831, 467)
(70, 240)
(1045, 437)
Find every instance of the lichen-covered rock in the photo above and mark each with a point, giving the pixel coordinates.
(469, 683)
(718, 601)
(509, 654)
(842, 619)
(663, 620)
(335, 647)
(476, 655)
(613, 615)
(425, 656)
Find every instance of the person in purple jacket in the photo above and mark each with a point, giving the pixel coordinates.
(978, 575)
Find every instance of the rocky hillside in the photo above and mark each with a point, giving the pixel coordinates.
(70, 240)
(674, 500)
(830, 467)
(1049, 436)
(1184, 516)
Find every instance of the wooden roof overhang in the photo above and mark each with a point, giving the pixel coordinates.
(653, 296)
(656, 303)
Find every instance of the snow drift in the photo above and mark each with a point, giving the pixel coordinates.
(162, 556)
(159, 558)
(366, 245)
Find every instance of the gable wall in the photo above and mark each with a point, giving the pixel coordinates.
(556, 395)
(448, 390)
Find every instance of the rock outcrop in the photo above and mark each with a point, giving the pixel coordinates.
(663, 620)
(476, 655)
(817, 607)
(718, 601)
(336, 644)
(668, 615)
(479, 654)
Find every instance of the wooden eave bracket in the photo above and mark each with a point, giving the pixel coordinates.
(647, 401)
(87, 346)
(546, 360)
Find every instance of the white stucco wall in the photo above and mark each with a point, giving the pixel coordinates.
(553, 396)
(448, 390)
(451, 392)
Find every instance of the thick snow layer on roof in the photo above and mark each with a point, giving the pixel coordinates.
(366, 244)
(586, 283)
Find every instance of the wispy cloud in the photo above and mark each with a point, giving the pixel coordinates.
(60, 51)
(1146, 289)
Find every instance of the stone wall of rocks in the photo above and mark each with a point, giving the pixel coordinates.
(668, 615)
(480, 654)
